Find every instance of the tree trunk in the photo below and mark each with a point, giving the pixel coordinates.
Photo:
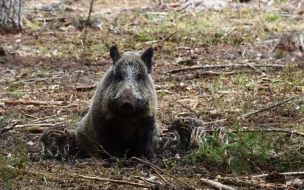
(11, 12)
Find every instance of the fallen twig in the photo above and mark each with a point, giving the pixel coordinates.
(246, 183)
(173, 5)
(159, 174)
(39, 125)
(36, 129)
(164, 90)
(216, 121)
(44, 119)
(215, 185)
(284, 173)
(132, 10)
(164, 39)
(269, 107)
(182, 16)
(113, 181)
(31, 80)
(98, 145)
(9, 128)
(30, 102)
(184, 7)
(27, 115)
(146, 180)
(222, 66)
(85, 88)
(188, 108)
(265, 130)
(227, 33)
(256, 69)
(169, 36)
(167, 143)
(200, 74)
(273, 130)
(86, 28)
(151, 165)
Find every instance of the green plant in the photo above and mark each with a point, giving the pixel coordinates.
(4, 121)
(245, 152)
(280, 54)
(125, 155)
(117, 165)
(214, 155)
(169, 164)
(272, 16)
(12, 89)
(251, 150)
(17, 95)
(12, 164)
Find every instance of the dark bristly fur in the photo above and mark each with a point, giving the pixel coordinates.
(59, 137)
(121, 119)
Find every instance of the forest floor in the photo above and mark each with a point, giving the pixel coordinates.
(219, 63)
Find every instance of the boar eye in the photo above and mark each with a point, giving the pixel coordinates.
(118, 77)
(139, 77)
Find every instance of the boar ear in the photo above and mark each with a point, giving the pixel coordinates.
(114, 54)
(147, 58)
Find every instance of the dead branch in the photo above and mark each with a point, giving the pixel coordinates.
(146, 180)
(132, 10)
(9, 128)
(164, 90)
(247, 183)
(39, 125)
(86, 28)
(219, 73)
(159, 175)
(200, 74)
(254, 68)
(276, 130)
(151, 165)
(183, 16)
(31, 80)
(169, 36)
(31, 102)
(27, 115)
(228, 33)
(184, 7)
(98, 145)
(36, 129)
(164, 39)
(267, 108)
(268, 131)
(113, 181)
(166, 143)
(215, 185)
(188, 108)
(85, 88)
(284, 173)
(216, 121)
(222, 66)
(158, 13)
(173, 5)
(265, 130)
(44, 119)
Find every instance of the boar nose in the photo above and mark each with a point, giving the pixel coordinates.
(127, 107)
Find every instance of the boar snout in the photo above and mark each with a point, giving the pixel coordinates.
(127, 107)
(127, 101)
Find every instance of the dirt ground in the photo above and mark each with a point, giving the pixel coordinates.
(217, 65)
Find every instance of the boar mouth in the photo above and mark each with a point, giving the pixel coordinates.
(127, 107)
